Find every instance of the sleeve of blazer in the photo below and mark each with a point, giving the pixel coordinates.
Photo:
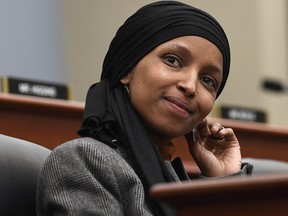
(86, 178)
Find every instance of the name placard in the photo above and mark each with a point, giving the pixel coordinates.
(241, 113)
(34, 88)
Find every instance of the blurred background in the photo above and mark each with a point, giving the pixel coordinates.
(64, 41)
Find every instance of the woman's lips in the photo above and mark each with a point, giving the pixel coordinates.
(179, 103)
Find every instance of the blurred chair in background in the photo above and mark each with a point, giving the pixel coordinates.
(20, 163)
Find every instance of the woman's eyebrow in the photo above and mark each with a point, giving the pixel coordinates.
(214, 68)
(180, 48)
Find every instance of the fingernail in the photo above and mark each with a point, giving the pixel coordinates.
(214, 126)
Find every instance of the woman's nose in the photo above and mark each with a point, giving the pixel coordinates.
(188, 85)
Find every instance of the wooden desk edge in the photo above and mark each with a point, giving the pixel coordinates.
(210, 187)
(43, 105)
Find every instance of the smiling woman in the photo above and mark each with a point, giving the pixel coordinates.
(164, 69)
(171, 87)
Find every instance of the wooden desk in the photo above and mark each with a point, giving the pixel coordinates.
(47, 122)
(51, 122)
(249, 196)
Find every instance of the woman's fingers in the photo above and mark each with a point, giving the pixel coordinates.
(214, 131)
(203, 129)
(217, 131)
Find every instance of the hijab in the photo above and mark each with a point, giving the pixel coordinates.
(109, 116)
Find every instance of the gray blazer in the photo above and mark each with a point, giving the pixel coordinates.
(87, 177)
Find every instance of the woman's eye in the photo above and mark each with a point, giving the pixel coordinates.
(172, 60)
(210, 82)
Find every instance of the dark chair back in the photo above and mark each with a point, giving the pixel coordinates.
(20, 163)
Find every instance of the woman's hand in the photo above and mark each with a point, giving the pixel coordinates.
(215, 149)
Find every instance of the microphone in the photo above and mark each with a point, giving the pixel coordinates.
(273, 85)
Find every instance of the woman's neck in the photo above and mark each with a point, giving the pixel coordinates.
(166, 147)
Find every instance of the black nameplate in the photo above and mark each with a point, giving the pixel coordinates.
(241, 113)
(34, 88)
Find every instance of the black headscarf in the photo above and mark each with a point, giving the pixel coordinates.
(109, 115)
(155, 24)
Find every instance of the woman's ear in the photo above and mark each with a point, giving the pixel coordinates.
(125, 79)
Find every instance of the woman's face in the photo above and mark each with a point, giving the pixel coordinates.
(174, 87)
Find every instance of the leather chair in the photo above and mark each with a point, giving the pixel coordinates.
(20, 163)
(267, 166)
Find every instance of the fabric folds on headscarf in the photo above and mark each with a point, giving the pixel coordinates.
(155, 24)
(109, 115)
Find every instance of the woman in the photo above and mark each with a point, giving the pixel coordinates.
(163, 71)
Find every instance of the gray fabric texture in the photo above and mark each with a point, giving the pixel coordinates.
(87, 177)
